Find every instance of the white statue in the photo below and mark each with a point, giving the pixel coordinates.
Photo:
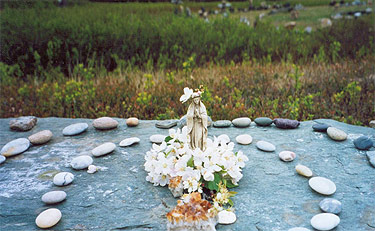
(196, 119)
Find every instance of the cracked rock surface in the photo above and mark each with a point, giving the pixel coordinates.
(271, 195)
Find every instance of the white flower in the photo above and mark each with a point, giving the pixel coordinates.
(159, 148)
(241, 159)
(187, 94)
(198, 156)
(207, 175)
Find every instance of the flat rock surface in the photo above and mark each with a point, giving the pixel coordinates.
(119, 198)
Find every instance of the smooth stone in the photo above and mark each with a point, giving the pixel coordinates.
(92, 169)
(222, 123)
(263, 121)
(75, 129)
(132, 122)
(330, 205)
(54, 197)
(105, 123)
(372, 123)
(166, 124)
(81, 162)
(287, 156)
(363, 143)
(299, 229)
(286, 123)
(48, 218)
(322, 185)
(2, 159)
(265, 146)
(242, 122)
(325, 221)
(129, 141)
(371, 157)
(320, 127)
(303, 170)
(336, 134)
(224, 138)
(15, 147)
(226, 217)
(63, 178)
(158, 139)
(244, 139)
(103, 149)
(41, 137)
(182, 122)
(23, 123)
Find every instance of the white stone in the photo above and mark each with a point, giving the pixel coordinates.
(158, 139)
(325, 221)
(2, 159)
(104, 123)
(241, 122)
(81, 162)
(265, 146)
(75, 129)
(92, 169)
(132, 121)
(63, 178)
(54, 197)
(322, 185)
(103, 149)
(48, 218)
(41, 137)
(336, 134)
(244, 139)
(129, 141)
(287, 156)
(299, 229)
(223, 138)
(226, 217)
(15, 147)
(303, 170)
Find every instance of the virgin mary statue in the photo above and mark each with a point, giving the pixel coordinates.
(197, 120)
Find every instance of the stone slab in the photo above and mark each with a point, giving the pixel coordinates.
(271, 195)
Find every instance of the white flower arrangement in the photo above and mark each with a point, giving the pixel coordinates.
(216, 169)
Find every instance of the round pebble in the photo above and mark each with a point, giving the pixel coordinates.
(244, 139)
(287, 156)
(325, 221)
(222, 123)
(105, 123)
(81, 162)
(166, 124)
(303, 171)
(299, 229)
(132, 122)
(48, 218)
(223, 138)
(15, 147)
(63, 178)
(54, 197)
(103, 149)
(320, 127)
(336, 134)
(263, 121)
(75, 129)
(23, 123)
(226, 217)
(158, 139)
(41, 137)
(330, 205)
(242, 122)
(286, 123)
(363, 143)
(265, 146)
(129, 141)
(92, 169)
(2, 159)
(322, 185)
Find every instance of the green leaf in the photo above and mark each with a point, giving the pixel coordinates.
(190, 163)
(230, 202)
(214, 185)
(230, 184)
(167, 139)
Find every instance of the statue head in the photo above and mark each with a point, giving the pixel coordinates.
(196, 98)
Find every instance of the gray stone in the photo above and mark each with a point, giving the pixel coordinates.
(63, 178)
(371, 157)
(104, 123)
(222, 123)
(263, 121)
(363, 143)
(103, 149)
(166, 124)
(41, 137)
(325, 221)
(15, 147)
(182, 122)
(318, 127)
(24, 123)
(75, 129)
(336, 134)
(286, 123)
(129, 141)
(242, 122)
(265, 146)
(2, 159)
(81, 162)
(54, 197)
(330, 205)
